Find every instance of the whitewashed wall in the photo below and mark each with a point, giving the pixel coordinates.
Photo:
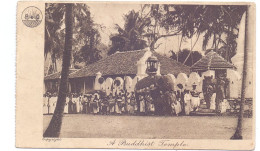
(186, 80)
(97, 86)
(108, 83)
(235, 83)
(174, 80)
(182, 78)
(117, 89)
(128, 84)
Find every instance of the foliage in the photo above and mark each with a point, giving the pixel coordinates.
(183, 54)
(172, 20)
(130, 36)
(53, 130)
(221, 24)
(86, 36)
(217, 23)
(87, 53)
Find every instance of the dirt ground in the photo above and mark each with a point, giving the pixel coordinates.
(151, 127)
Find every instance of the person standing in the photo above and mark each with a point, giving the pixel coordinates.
(111, 104)
(148, 104)
(74, 101)
(55, 99)
(70, 110)
(212, 97)
(66, 107)
(142, 105)
(195, 100)
(104, 104)
(128, 101)
(79, 103)
(207, 88)
(220, 92)
(84, 104)
(123, 104)
(132, 104)
(96, 104)
(135, 103)
(180, 98)
(45, 104)
(187, 101)
(51, 103)
(118, 105)
(177, 107)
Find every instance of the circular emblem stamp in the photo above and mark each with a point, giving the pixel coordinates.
(32, 16)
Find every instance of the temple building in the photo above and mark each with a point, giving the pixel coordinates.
(127, 68)
(51, 81)
(212, 64)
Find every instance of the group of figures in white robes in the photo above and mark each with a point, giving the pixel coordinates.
(216, 92)
(121, 103)
(186, 101)
(183, 101)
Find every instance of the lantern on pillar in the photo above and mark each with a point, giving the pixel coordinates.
(101, 80)
(152, 65)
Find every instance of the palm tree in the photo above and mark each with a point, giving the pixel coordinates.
(247, 47)
(130, 36)
(85, 33)
(53, 37)
(54, 127)
(220, 23)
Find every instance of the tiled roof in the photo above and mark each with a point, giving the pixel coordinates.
(212, 61)
(57, 75)
(124, 63)
(171, 66)
(119, 63)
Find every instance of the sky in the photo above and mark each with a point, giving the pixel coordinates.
(109, 14)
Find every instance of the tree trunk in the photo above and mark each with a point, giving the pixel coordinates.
(152, 44)
(54, 127)
(191, 50)
(238, 132)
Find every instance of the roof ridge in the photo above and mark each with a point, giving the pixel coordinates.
(223, 58)
(209, 56)
(129, 51)
(113, 55)
(109, 57)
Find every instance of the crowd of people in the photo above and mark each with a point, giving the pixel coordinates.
(121, 103)
(185, 101)
(178, 102)
(93, 103)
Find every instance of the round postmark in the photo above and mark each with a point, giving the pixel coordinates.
(32, 16)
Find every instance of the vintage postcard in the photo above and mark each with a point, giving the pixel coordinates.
(135, 75)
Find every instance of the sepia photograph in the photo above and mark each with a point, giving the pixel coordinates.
(136, 75)
(154, 71)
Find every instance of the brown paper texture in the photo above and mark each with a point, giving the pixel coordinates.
(30, 87)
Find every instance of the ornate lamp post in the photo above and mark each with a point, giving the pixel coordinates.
(152, 65)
